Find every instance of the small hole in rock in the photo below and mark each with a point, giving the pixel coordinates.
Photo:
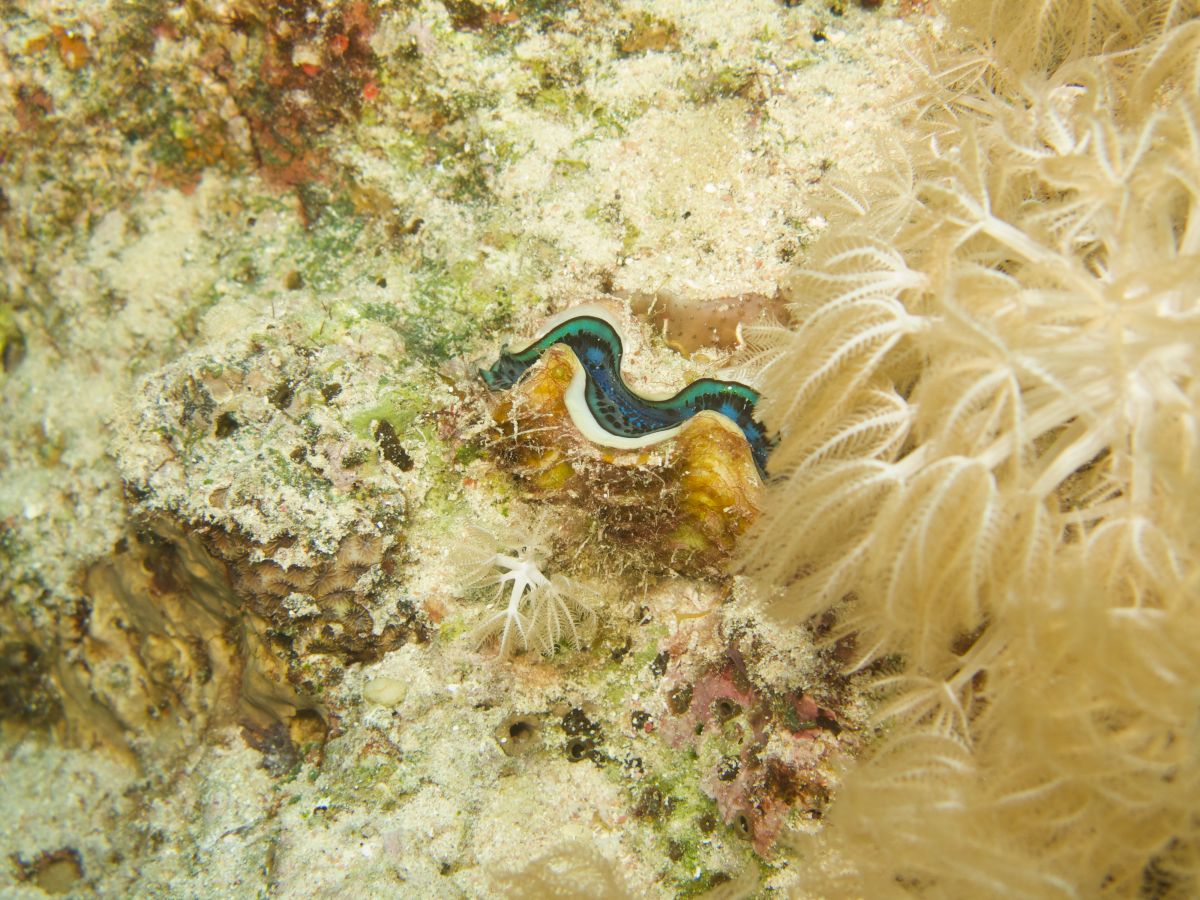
(226, 425)
(725, 709)
(680, 699)
(579, 748)
(727, 768)
(517, 735)
(743, 826)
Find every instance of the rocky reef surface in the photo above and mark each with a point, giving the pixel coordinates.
(252, 253)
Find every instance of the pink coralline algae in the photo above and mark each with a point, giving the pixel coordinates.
(762, 753)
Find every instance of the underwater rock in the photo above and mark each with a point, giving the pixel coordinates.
(26, 694)
(691, 324)
(164, 642)
(266, 553)
(763, 754)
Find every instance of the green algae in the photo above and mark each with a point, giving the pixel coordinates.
(325, 254)
(451, 629)
(445, 311)
(399, 405)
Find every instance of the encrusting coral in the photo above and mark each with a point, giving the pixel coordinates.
(990, 400)
(764, 752)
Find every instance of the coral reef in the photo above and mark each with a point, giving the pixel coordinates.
(249, 250)
(765, 752)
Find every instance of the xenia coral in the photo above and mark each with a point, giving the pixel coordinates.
(535, 611)
(990, 395)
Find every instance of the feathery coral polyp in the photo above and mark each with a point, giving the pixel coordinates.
(990, 413)
(533, 610)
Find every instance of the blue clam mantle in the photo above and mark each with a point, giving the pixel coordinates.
(603, 407)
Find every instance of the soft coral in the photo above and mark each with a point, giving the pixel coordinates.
(537, 611)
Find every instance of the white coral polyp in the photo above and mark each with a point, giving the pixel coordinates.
(537, 612)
